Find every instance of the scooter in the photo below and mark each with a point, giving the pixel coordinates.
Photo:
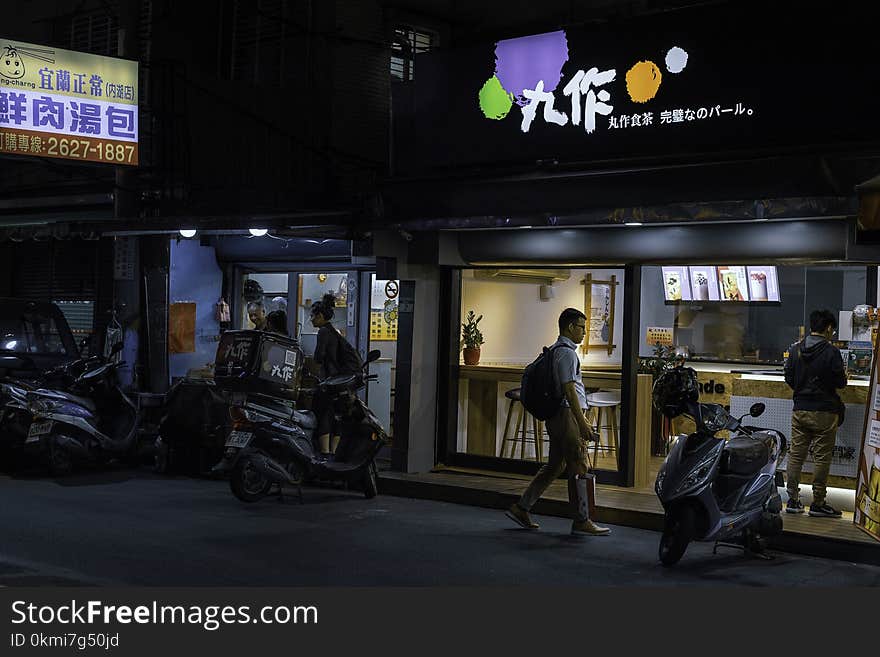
(86, 419)
(273, 444)
(714, 489)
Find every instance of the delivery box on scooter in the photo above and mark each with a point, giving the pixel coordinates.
(258, 361)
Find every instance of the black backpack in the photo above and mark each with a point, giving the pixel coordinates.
(538, 389)
(348, 358)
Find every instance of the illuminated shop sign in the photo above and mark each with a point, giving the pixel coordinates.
(529, 75)
(710, 79)
(64, 104)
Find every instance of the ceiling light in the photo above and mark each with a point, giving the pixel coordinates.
(258, 232)
(632, 223)
(187, 232)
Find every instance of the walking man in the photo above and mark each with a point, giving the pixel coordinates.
(569, 431)
(814, 371)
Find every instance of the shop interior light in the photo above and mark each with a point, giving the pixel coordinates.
(187, 232)
(258, 232)
(633, 223)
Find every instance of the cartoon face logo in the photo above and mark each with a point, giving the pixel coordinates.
(11, 65)
(12, 59)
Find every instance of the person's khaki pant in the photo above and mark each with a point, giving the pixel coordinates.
(567, 450)
(819, 430)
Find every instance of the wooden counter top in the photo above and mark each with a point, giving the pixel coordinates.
(599, 374)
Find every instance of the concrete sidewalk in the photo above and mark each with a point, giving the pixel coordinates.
(821, 537)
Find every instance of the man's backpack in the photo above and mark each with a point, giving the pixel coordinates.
(538, 389)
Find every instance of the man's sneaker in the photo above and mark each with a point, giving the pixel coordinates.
(824, 511)
(794, 506)
(588, 528)
(521, 517)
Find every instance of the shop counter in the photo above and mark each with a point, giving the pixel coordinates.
(483, 407)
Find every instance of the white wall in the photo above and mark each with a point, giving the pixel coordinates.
(517, 323)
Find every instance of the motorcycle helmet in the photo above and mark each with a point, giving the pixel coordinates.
(674, 390)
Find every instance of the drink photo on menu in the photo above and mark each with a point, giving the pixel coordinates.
(704, 283)
(763, 283)
(676, 285)
(732, 280)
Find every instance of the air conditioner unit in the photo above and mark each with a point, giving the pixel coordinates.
(533, 276)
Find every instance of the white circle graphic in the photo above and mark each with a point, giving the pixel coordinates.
(676, 60)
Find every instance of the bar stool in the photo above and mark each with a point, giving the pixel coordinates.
(522, 431)
(606, 403)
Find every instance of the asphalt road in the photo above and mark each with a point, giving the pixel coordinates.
(134, 528)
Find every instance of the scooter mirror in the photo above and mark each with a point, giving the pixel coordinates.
(757, 409)
(375, 354)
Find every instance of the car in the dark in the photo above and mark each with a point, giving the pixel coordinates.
(34, 337)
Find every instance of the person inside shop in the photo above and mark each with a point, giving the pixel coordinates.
(569, 433)
(334, 356)
(257, 314)
(814, 371)
(276, 322)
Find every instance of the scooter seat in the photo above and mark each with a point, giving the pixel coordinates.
(744, 456)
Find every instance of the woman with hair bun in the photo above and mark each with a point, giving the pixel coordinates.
(335, 357)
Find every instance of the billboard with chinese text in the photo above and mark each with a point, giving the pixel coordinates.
(64, 104)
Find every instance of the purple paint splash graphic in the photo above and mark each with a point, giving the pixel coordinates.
(520, 63)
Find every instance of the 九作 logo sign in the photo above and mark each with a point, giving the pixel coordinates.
(528, 73)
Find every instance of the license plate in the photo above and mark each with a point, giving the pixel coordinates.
(239, 439)
(38, 429)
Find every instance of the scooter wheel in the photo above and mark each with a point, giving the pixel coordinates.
(60, 463)
(677, 533)
(371, 488)
(247, 483)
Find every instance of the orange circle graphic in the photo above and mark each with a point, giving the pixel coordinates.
(643, 81)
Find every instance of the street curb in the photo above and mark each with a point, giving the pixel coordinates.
(791, 542)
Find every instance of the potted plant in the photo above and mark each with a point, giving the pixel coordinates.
(471, 338)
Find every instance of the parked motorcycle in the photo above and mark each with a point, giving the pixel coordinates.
(714, 489)
(272, 443)
(85, 417)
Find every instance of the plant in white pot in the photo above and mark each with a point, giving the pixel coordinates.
(471, 338)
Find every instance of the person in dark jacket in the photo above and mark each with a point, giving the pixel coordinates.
(276, 322)
(814, 371)
(328, 356)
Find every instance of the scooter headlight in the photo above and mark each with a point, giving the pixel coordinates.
(698, 474)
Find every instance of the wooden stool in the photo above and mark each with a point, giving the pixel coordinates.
(522, 430)
(606, 403)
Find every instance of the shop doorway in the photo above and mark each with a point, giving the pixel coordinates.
(365, 315)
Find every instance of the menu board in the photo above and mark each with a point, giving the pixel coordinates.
(704, 284)
(733, 283)
(763, 284)
(676, 284)
(728, 283)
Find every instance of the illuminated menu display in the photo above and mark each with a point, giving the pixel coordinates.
(724, 283)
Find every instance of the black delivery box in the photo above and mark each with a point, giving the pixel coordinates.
(260, 362)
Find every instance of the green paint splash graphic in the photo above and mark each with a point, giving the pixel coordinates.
(494, 100)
